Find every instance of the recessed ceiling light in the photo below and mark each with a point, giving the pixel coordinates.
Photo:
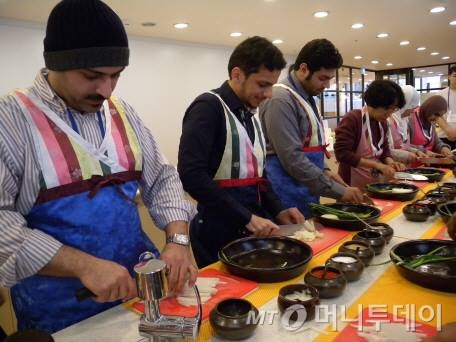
(435, 53)
(421, 48)
(453, 23)
(236, 34)
(374, 62)
(430, 72)
(357, 26)
(321, 14)
(382, 35)
(389, 64)
(277, 41)
(181, 25)
(357, 57)
(438, 9)
(148, 24)
(446, 57)
(439, 74)
(404, 42)
(422, 70)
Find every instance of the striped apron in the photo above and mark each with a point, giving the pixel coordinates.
(240, 174)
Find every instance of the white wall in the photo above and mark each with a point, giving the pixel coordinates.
(161, 81)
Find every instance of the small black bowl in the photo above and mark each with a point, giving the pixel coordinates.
(348, 263)
(416, 212)
(329, 281)
(361, 249)
(374, 239)
(229, 318)
(384, 229)
(428, 203)
(385, 191)
(438, 193)
(446, 210)
(309, 304)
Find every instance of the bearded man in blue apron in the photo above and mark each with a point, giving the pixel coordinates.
(72, 158)
(294, 132)
(221, 155)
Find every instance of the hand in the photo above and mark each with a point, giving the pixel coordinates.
(397, 166)
(108, 280)
(412, 157)
(420, 154)
(290, 216)
(181, 266)
(352, 195)
(260, 226)
(387, 171)
(446, 152)
(335, 177)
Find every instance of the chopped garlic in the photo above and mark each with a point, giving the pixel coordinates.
(305, 235)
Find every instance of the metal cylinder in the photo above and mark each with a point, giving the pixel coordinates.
(151, 280)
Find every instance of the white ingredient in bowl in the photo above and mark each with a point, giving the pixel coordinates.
(344, 259)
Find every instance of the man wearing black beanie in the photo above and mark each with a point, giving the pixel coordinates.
(72, 157)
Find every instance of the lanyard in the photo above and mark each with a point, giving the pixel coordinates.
(75, 126)
(377, 150)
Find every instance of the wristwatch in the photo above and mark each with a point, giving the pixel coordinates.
(180, 239)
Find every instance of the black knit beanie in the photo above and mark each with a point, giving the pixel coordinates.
(84, 34)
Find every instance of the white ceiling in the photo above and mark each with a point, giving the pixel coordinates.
(211, 22)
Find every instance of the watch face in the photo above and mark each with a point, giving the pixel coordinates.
(180, 239)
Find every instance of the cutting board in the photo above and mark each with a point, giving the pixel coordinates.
(234, 287)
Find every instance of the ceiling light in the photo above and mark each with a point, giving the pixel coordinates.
(357, 26)
(148, 24)
(236, 34)
(437, 9)
(453, 23)
(382, 35)
(439, 74)
(277, 41)
(181, 25)
(435, 53)
(389, 64)
(446, 57)
(357, 57)
(374, 62)
(421, 48)
(430, 72)
(422, 70)
(404, 42)
(321, 14)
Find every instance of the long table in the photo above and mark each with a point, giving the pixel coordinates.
(381, 295)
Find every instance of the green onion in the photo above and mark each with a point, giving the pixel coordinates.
(323, 209)
(428, 258)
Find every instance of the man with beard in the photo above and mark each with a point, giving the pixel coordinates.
(295, 138)
(72, 157)
(221, 155)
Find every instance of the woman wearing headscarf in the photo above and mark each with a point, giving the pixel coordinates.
(400, 147)
(421, 125)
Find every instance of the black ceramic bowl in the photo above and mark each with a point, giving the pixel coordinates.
(349, 224)
(416, 212)
(438, 193)
(267, 259)
(384, 229)
(428, 203)
(451, 187)
(361, 249)
(432, 174)
(329, 281)
(386, 191)
(446, 210)
(351, 266)
(374, 239)
(439, 276)
(229, 319)
(283, 302)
